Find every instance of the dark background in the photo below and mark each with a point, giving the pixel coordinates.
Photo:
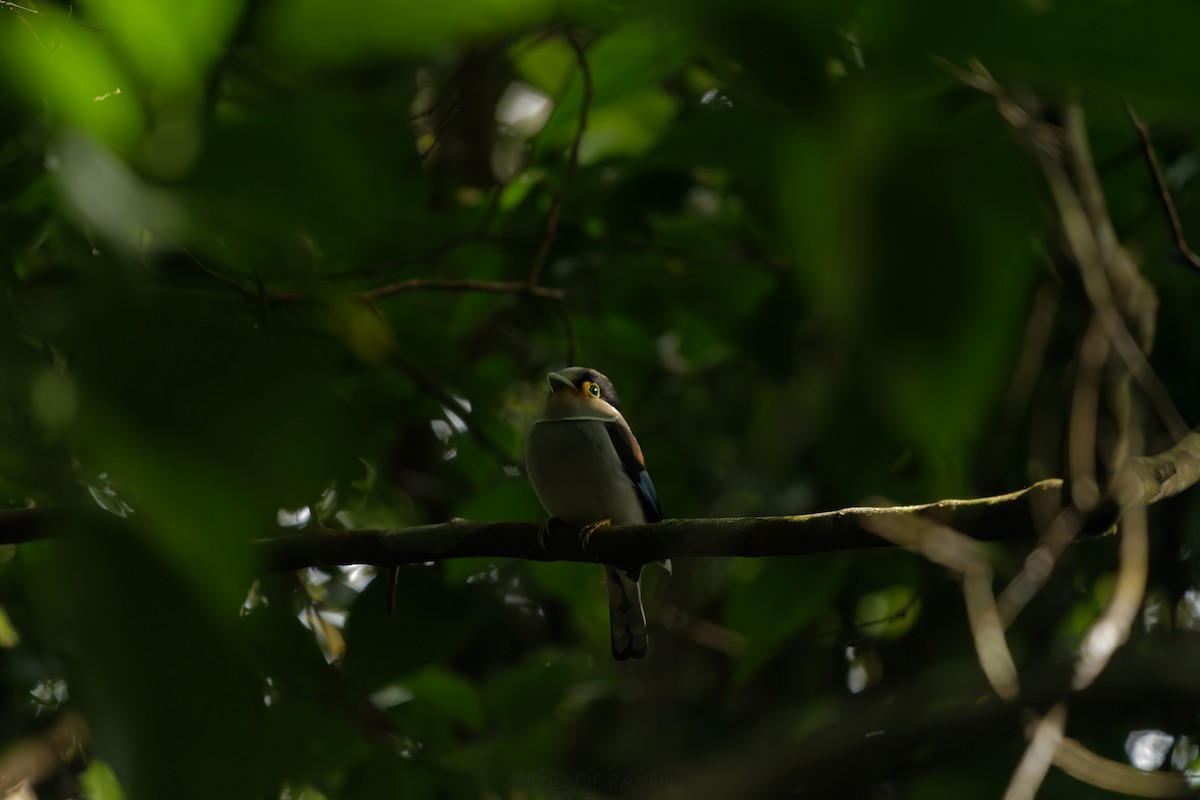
(810, 258)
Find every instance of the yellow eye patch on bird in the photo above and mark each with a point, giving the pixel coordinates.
(591, 388)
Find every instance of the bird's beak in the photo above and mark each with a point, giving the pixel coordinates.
(559, 382)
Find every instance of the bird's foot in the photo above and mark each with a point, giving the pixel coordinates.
(586, 531)
(542, 532)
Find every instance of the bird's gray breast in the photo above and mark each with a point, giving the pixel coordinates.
(577, 474)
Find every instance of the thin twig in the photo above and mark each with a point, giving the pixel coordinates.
(1126, 303)
(701, 631)
(1038, 330)
(539, 261)
(289, 296)
(951, 548)
(1182, 250)
(432, 109)
(32, 32)
(248, 295)
(15, 7)
(1039, 564)
(556, 296)
(861, 627)
(1086, 238)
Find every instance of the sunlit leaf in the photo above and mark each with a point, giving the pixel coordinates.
(100, 783)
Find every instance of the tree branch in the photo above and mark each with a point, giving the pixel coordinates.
(989, 518)
(998, 518)
(31, 761)
(1006, 517)
(1164, 192)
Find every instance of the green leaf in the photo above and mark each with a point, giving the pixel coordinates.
(527, 693)
(887, 614)
(141, 642)
(388, 775)
(626, 128)
(450, 694)
(545, 63)
(100, 782)
(309, 743)
(314, 30)
(780, 601)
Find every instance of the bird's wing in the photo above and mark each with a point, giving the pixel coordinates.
(634, 465)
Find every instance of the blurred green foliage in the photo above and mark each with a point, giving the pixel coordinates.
(806, 255)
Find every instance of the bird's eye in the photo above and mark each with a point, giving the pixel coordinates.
(591, 388)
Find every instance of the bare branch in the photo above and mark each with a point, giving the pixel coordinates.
(1142, 480)
(1065, 526)
(1039, 755)
(1075, 759)
(1083, 765)
(956, 551)
(1111, 629)
(1148, 479)
(701, 631)
(987, 630)
(1086, 252)
(998, 518)
(990, 518)
(1120, 296)
(1164, 192)
(33, 760)
(1006, 517)
(1038, 330)
(939, 715)
(539, 261)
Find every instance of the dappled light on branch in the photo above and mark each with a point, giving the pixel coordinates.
(281, 286)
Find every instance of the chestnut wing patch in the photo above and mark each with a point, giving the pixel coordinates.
(631, 460)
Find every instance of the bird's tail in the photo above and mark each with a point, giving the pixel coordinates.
(625, 611)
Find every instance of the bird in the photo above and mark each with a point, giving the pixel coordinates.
(587, 470)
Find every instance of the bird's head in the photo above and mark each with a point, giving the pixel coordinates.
(582, 392)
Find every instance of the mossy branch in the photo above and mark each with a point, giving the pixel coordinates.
(1006, 517)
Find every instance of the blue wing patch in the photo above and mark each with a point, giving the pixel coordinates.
(631, 460)
(649, 497)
